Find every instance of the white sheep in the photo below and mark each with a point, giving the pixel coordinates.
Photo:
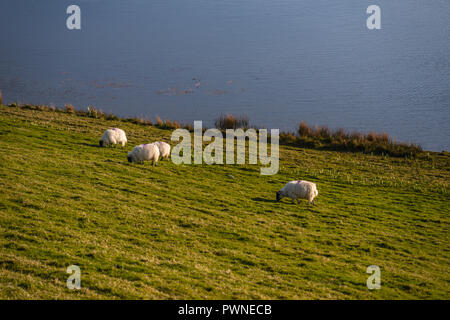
(144, 152)
(299, 190)
(112, 137)
(164, 149)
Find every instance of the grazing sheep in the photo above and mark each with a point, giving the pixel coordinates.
(144, 152)
(164, 149)
(299, 190)
(113, 137)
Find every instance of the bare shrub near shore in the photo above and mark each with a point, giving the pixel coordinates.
(69, 108)
(167, 124)
(304, 130)
(95, 113)
(229, 121)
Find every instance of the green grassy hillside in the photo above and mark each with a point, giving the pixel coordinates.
(194, 232)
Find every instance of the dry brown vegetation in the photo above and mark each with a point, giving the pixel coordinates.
(229, 121)
(321, 137)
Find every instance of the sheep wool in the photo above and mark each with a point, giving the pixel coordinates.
(144, 152)
(299, 190)
(113, 137)
(164, 149)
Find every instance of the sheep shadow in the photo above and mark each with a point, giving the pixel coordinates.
(89, 145)
(263, 200)
(281, 202)
(92, 145)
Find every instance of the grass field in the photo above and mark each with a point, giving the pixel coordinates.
(194, 232)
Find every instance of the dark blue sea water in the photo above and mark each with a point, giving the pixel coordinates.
(278, 62)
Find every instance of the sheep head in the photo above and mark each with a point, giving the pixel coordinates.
(279, 195)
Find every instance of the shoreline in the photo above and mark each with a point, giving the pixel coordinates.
(311, 137)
